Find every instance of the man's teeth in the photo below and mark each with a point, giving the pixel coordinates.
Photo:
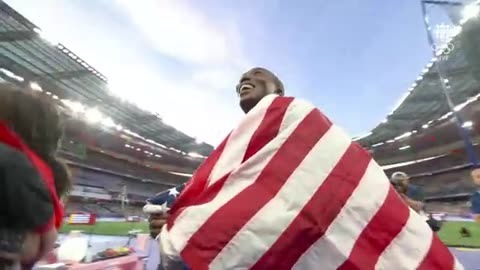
(245, 87)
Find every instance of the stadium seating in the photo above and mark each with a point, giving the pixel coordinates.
(102, 177)
(445, 181)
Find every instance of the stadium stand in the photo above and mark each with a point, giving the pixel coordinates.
(423, 137)
(121, 153)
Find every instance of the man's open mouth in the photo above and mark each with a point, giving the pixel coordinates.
(245, 88)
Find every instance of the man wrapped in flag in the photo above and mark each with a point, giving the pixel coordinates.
(287, 189)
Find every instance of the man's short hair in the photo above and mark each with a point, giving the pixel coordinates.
(398, 177)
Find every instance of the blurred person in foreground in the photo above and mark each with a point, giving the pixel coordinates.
(31, 177)
(288, 189)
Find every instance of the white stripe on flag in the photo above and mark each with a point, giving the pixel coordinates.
(237, 143)
(294, 194)
(335, 246)
(458, 265)
(192, 218)
(411, 245)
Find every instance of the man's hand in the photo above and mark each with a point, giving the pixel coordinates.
(156, 220)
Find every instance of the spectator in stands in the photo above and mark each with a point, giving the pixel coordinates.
(32, 177)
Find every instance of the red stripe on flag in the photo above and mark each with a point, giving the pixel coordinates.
(269, 126)
(438, 257)
(319, 212)
(197, 183)
(214, 234)
(267, 130)
(387, 223)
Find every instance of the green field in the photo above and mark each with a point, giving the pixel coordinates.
(108, 228)
(449, 234)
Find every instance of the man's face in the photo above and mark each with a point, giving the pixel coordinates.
(254, 85)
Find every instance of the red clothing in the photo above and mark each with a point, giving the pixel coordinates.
(8, 137)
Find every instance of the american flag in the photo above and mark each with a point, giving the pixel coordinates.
(162, 202)
(81, 219)
(287, 189)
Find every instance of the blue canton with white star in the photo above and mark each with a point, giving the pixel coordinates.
(167, 198)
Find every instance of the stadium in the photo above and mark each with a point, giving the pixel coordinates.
(120, 155)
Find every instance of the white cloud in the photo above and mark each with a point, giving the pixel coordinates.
(178, 31)
(202, 104)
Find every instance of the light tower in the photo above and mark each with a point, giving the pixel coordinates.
(470, 11)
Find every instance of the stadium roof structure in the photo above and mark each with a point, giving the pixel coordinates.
(28, 58)
(424, 103)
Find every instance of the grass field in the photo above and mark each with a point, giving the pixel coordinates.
(108, 228)
(449, 234)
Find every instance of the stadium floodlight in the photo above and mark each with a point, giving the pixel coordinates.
(469, 12)
(93, 115)
(158, 156)
(11, 75)
(404, 147)
(119, 128)
(378, 144)
(460, 107)
(467, 124)
(55, 97)
(108, 122)
(48, 93)
(425, 126)
(35, 86)
(127, 145)
(404, 135)
(195, 155)
(138, 149)
(76, 107)
(45, 36)
(445, 116)
(457, 30)
(357, 138)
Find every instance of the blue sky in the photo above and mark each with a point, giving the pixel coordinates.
(354, 59)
